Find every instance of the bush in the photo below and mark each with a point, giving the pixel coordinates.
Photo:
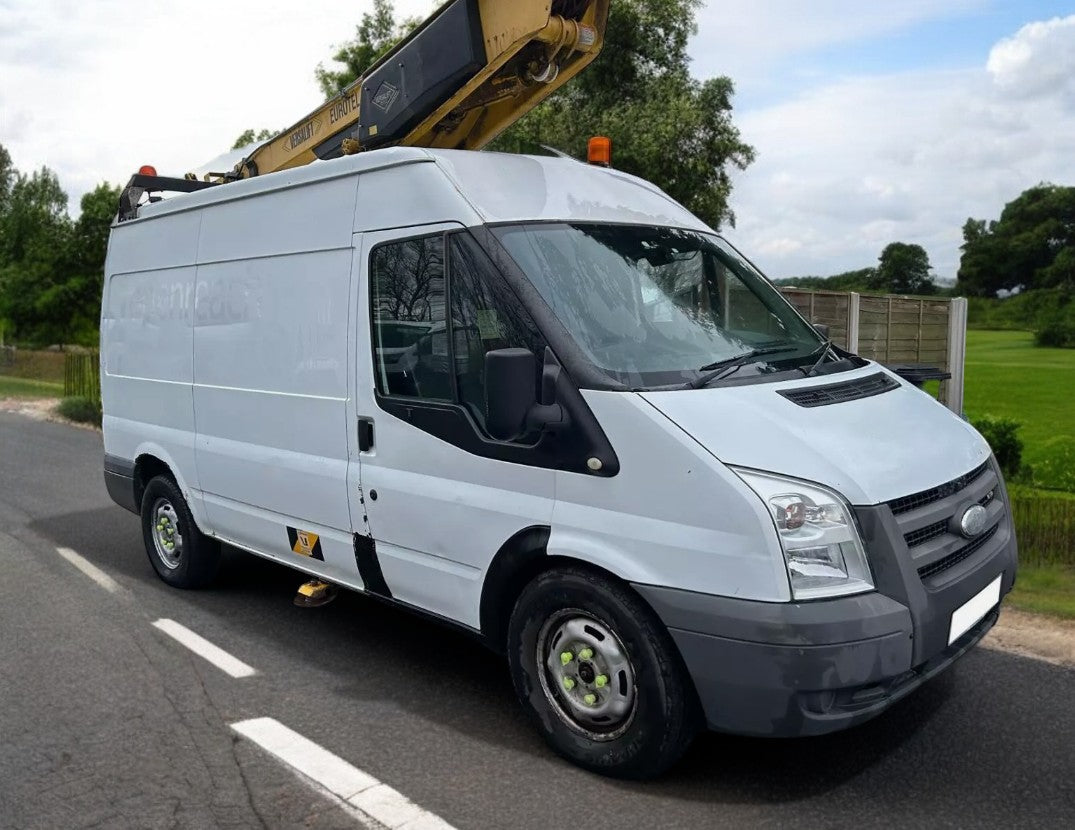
(1001, 435)
(1058, 332)
(80, 409)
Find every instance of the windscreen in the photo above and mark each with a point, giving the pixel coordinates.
(653, 306)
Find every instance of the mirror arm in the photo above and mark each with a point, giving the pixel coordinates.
(548, 414)
(551, 417)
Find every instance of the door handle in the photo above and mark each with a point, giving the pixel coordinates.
(365, 434)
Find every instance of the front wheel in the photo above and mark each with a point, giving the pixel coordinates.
(599, 675)
(181, 554)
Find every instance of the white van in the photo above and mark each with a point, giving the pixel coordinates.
(542, 402)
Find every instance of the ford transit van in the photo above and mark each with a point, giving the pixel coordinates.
(540, 401)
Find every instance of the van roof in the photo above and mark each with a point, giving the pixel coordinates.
(501, 187)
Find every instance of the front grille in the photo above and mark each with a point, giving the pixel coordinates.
(925, 534)
(850, 390)
(958, 556)
(943, 491)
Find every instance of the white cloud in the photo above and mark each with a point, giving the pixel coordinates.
(849, 167)
(1038, 61)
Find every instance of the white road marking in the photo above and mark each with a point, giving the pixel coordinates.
(204, 649)
(354, 787)
(91, 570)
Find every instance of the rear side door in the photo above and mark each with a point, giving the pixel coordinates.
(436, 497)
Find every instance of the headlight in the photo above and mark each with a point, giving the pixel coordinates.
(822, 549)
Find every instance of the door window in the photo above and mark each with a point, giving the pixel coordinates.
(410, 341)
(422, 352)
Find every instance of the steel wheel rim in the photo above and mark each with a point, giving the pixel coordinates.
(167, 539)
(586, 674)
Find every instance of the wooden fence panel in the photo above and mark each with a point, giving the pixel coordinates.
(829, 308)
(82, 375)
(890, 328)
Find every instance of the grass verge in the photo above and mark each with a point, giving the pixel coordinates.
(25, 388)
(1046, 589)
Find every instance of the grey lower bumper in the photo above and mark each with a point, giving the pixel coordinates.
(785, 669)
(119, 481)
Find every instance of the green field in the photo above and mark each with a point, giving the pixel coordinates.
(25, 388)
(1008, 376)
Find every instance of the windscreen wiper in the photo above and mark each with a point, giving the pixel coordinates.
(825, 347)
(722, 368)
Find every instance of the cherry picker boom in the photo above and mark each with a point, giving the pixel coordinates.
(457, 81)
(462, 77)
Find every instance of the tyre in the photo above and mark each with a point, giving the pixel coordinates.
(180, 554)
(600, 676)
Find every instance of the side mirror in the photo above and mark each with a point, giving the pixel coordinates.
(512, 407)
(822, 329)
(510, 391)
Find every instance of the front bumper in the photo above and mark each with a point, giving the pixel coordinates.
(807, 668)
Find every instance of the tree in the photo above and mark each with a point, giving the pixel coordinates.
(1032, 245)
(375, 35)
(665, 125)
(51, 269)
(74, 302)
(33, 238)
(7, 178)
(248, 137)
(903, 269)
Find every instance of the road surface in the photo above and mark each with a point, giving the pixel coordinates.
(108, 721)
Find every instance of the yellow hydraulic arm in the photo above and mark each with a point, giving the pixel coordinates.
(457, 81)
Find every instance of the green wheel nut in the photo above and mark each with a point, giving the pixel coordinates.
(566, 657)
(569, 684)
(601, 681)
(590, 700)
(586, 653)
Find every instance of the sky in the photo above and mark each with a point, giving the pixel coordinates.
(873, 122)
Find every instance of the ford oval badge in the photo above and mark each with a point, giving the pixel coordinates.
(973, 521)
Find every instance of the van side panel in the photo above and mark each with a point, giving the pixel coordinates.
(146, 344)
(270, 368)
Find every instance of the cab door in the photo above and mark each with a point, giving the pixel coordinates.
(435, 496)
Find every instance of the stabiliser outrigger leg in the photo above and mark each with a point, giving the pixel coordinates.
(316, 593)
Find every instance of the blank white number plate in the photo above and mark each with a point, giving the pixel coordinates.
(964, 617)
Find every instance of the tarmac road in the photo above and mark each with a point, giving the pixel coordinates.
(107, 721)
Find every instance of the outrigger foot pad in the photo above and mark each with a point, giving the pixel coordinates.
(315, 593)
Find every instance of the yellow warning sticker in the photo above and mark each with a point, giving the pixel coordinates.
(305, 543)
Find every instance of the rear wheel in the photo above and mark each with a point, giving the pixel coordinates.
(599, 675)
(181, 554)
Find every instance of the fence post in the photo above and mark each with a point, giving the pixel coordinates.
(853, 322)
(957, 352)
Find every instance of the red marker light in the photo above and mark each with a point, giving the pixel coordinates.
(147, 170)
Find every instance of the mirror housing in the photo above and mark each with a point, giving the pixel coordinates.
(512, 405)
(822, 329)
(509, 391)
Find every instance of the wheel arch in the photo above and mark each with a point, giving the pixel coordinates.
(152, 460)
(520, 559)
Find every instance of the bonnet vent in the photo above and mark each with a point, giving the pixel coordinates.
(850, 390)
